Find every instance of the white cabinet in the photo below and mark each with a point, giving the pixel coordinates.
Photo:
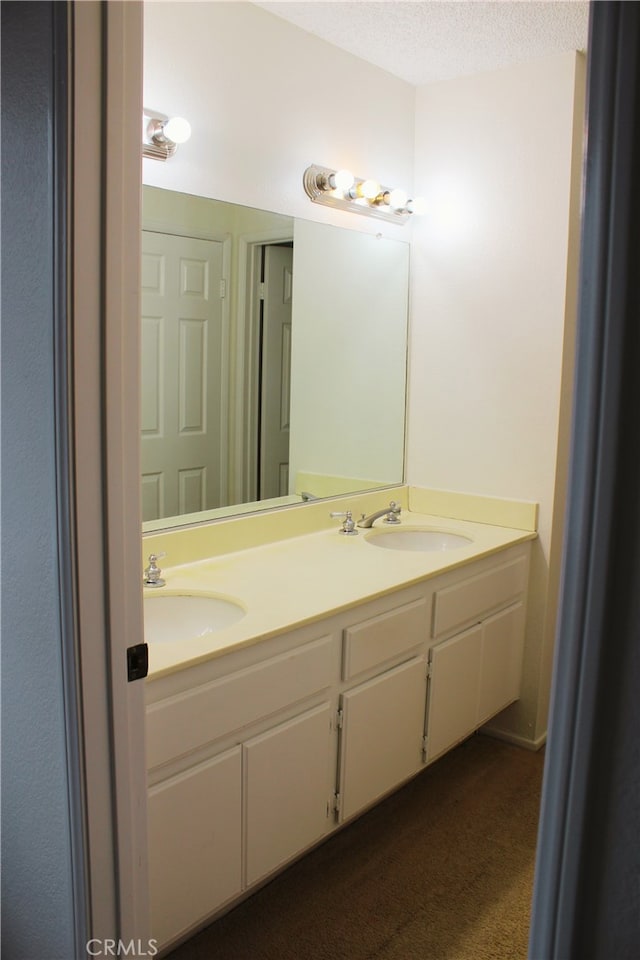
(288, 781)
(194, 822)
(453, 690)
(475, 672)
(501, 671)
(381, 736)
(258, 754)
(241, 774)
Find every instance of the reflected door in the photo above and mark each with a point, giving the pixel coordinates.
(181, 374)
(275, 392)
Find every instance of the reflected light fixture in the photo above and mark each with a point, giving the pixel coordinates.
(161, 134)
(339, 188)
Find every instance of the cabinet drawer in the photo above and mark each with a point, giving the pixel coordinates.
(466, 602)
(189, 720)
(381, 638)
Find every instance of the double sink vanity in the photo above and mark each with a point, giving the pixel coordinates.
(298, 674)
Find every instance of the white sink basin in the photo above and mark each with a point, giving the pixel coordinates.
(168, 619)
(418, 540)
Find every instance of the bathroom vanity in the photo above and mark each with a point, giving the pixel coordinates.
(363, 666)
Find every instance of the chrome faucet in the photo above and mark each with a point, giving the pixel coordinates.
(152, 573)
(348, 525)
(392, 515)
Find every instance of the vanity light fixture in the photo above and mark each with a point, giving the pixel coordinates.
(339, 188)
(161, 135)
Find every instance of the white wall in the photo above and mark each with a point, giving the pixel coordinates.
(266, 100)
(489, 292)
(495, 159)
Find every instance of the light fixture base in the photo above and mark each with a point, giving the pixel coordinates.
(156, 145)
(315, 180)
(158, 151)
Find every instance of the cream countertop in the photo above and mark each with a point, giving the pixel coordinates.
(296, 581)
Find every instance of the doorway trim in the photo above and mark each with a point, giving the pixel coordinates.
(104, 385)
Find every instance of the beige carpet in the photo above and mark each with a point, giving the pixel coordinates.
(441, 870)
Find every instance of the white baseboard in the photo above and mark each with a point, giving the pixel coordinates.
(518, 741)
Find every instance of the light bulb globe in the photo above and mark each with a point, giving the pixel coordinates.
(398, 199)
(177, 130)
(343, 180)
(369, 189)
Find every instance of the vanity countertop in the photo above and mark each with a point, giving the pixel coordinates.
(295, 581)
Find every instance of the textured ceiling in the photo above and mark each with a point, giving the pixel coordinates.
(427, 40)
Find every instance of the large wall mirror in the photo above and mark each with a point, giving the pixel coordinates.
(273, 359)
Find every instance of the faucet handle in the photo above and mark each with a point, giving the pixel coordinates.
(348, 524)
(394, 513)
(152, 573)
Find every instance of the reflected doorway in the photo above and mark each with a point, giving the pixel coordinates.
(263, 401)
(274, 370)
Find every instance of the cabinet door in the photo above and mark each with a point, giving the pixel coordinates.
(453, 693)
(502, 645)
(194, 844)
(381, 739)
(288, 783)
